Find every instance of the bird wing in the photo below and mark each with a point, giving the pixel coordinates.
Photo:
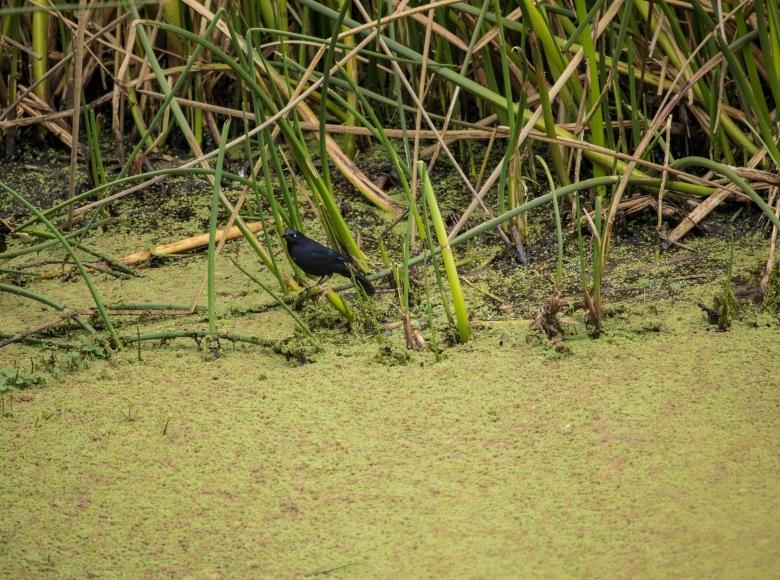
(326, 255)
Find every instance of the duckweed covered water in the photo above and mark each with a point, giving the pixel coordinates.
(650, 452)
(649, 455)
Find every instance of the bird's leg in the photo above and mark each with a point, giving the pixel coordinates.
(321, 284)
(303, 294)
(308, 294)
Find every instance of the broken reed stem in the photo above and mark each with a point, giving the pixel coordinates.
(78, 49)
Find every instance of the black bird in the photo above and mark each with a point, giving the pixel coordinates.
(318, 260)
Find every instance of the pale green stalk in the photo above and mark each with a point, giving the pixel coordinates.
(459, 303)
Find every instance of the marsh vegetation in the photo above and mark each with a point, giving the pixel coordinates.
(568, 210)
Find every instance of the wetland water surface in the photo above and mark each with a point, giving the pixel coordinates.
(652, 451)
(655, 455)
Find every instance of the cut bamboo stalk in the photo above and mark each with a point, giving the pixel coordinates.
(186, 245)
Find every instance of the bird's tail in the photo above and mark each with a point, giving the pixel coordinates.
(362, 281)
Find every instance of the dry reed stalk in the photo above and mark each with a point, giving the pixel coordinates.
(186, 245)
